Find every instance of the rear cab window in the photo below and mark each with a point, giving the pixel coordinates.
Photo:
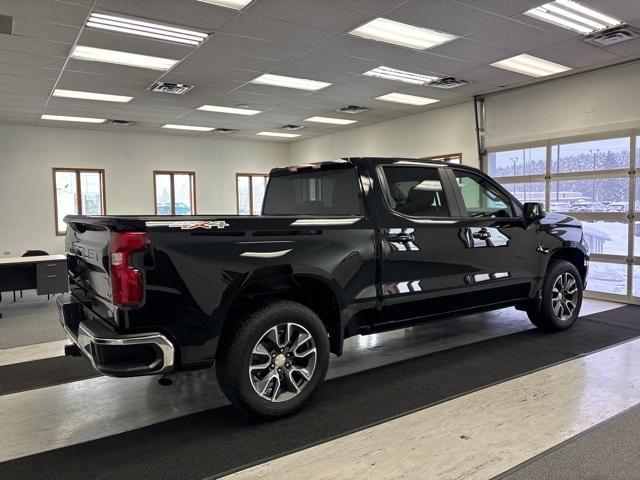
(320, 192)
(416, 191)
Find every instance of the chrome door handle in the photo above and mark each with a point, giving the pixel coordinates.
(481, 235)
(401, 237)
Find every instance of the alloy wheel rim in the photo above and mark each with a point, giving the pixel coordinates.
(564, 296)
(282, 362)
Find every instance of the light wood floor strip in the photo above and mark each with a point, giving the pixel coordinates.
(28, 353)
(479, 435)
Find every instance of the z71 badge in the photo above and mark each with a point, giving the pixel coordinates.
(190, 225)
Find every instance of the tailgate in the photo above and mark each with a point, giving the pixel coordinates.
(87, 247)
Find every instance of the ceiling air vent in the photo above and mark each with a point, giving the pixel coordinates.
(6, 24)
(121, 123)
(613, 35)
(225, 130)
(292, 127)
(352, 109)
(447, 83)
(173, 88)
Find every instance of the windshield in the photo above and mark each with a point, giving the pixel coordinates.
(328, 192)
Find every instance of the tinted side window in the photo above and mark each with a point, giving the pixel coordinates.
(416, 191)
(329, 192)
(481, 197)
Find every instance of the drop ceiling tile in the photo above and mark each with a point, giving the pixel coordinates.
(443, 15)
(374, 6)
(251, 47)
(54, 32)
(472, 51)
(625, 49)
(445, 66)
(575, 53)
(494, 76)
(333, 15)
(29, 70)
(32, 59)
(187, 13)
(377, 52)
(117, 72)
(156, 99)
(268, 91)
(75, 106)
(46, 11)
(15, 43)
(18, 88)
(212, 119)
(517, 36)
(274, 30)
(129, 43)
(213, 73)
(212, 54)
(91, 82)
(220, 86)
(56, 107)
(624, 10)
(506, 8)
(341, 63)
(26, 81)
(534, 22)
(436, 93)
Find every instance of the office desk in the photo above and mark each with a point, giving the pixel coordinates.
(47, 274)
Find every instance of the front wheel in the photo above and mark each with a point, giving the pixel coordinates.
(561, 298)
(274, 360)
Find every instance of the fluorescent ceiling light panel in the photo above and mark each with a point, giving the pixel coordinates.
(406, 99)
(122, 58)
(389, 31)
(235, 111)
(399, 75)
(102, 97)
(530, 65)
(573, 16)
(62, 118)
(278, 134)
(334, 121)
(188, 127)
(289, 82)
(145, 29)
(235, 4)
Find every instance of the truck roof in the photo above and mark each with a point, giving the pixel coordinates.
(343, 162)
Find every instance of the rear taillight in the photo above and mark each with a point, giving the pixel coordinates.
(127, 282)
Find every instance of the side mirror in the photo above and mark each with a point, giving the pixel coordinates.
(533, 211)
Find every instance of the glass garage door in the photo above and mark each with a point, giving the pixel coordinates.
(594, 181)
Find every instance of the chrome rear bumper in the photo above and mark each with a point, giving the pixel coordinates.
(111, 353)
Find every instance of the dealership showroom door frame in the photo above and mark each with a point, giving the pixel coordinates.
(592, 178)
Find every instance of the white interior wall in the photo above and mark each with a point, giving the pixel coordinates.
(593, 102)
(434, 132)
(599, 101)
(27, 155)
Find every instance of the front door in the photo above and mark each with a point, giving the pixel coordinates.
(504, 264)
(424, 255)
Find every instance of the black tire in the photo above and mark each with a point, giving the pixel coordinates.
(542, 313)
(235, 355)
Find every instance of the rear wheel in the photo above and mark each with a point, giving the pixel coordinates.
(561, 298)
(274, 360)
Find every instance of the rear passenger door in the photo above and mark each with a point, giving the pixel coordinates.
(504, 264)
(424, 258)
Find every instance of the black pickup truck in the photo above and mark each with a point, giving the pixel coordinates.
(345, 247)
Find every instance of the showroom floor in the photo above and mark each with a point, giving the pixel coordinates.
(506, 394)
